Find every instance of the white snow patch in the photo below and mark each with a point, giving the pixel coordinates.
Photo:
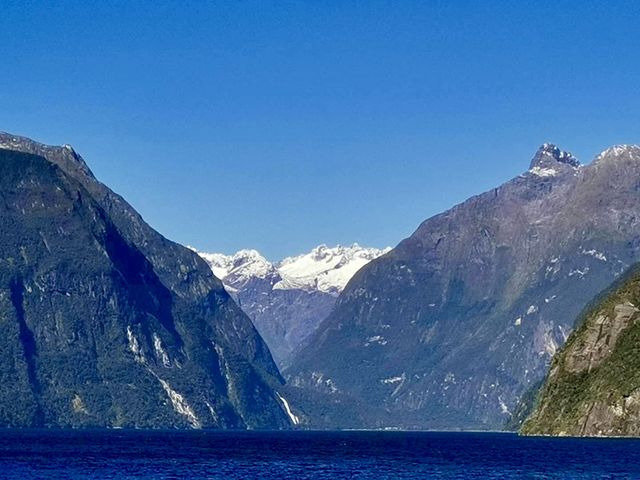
(616, 151)
(518, 322)
(379, 339)
(544, 172)
(320, 380)
(554, 152)
(391, 380)
(327, 269)
(239, 268)
(532, 309)
(595, 253)
(579, 272)
(294, 419)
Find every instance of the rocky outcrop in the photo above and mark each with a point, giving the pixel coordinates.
(108, 324)
(455, 324)
(599, 338)
(593, 387)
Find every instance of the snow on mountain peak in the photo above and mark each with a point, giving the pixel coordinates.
(327, 269)
(549, 154)
(235, 270)
(324, 268)
(619, 150)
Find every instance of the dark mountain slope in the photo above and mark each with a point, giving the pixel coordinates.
(105, 322)
(451, 327)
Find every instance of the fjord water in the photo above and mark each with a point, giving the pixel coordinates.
(331, 455)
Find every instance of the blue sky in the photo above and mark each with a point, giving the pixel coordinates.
(282, 125)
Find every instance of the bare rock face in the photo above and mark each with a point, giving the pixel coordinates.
(599, 338)
(454, 325)
(108, 324)
(593, 388)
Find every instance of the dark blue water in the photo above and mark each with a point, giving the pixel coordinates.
(335, 455)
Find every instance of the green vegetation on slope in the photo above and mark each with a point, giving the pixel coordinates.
(105, 323)
(593, 387)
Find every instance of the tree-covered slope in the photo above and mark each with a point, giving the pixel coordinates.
(593, 387)
(104, 322)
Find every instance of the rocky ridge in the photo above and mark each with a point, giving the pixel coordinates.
(499, 279)
(287, 300)
(108, 324)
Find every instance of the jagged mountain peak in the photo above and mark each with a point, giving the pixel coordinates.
(618, 151)
(327, 269)
(64, 156)
(500, 277)
(326, 253)
(324, 268)
(238, 268)
(245, 257)
(549, 155)
(287, 300)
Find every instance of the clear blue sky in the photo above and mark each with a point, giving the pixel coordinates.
(282, 125)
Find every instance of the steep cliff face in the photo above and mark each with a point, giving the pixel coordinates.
(451, 327)
(593, 387)
(108, 324)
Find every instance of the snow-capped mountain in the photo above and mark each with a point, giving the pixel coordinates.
(452, 327)
(325, 269)
(287, 300)
(239, 269)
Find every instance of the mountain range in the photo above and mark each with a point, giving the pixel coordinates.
(105, 322)
(108, 324)
(287, 300)
(451, 328)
